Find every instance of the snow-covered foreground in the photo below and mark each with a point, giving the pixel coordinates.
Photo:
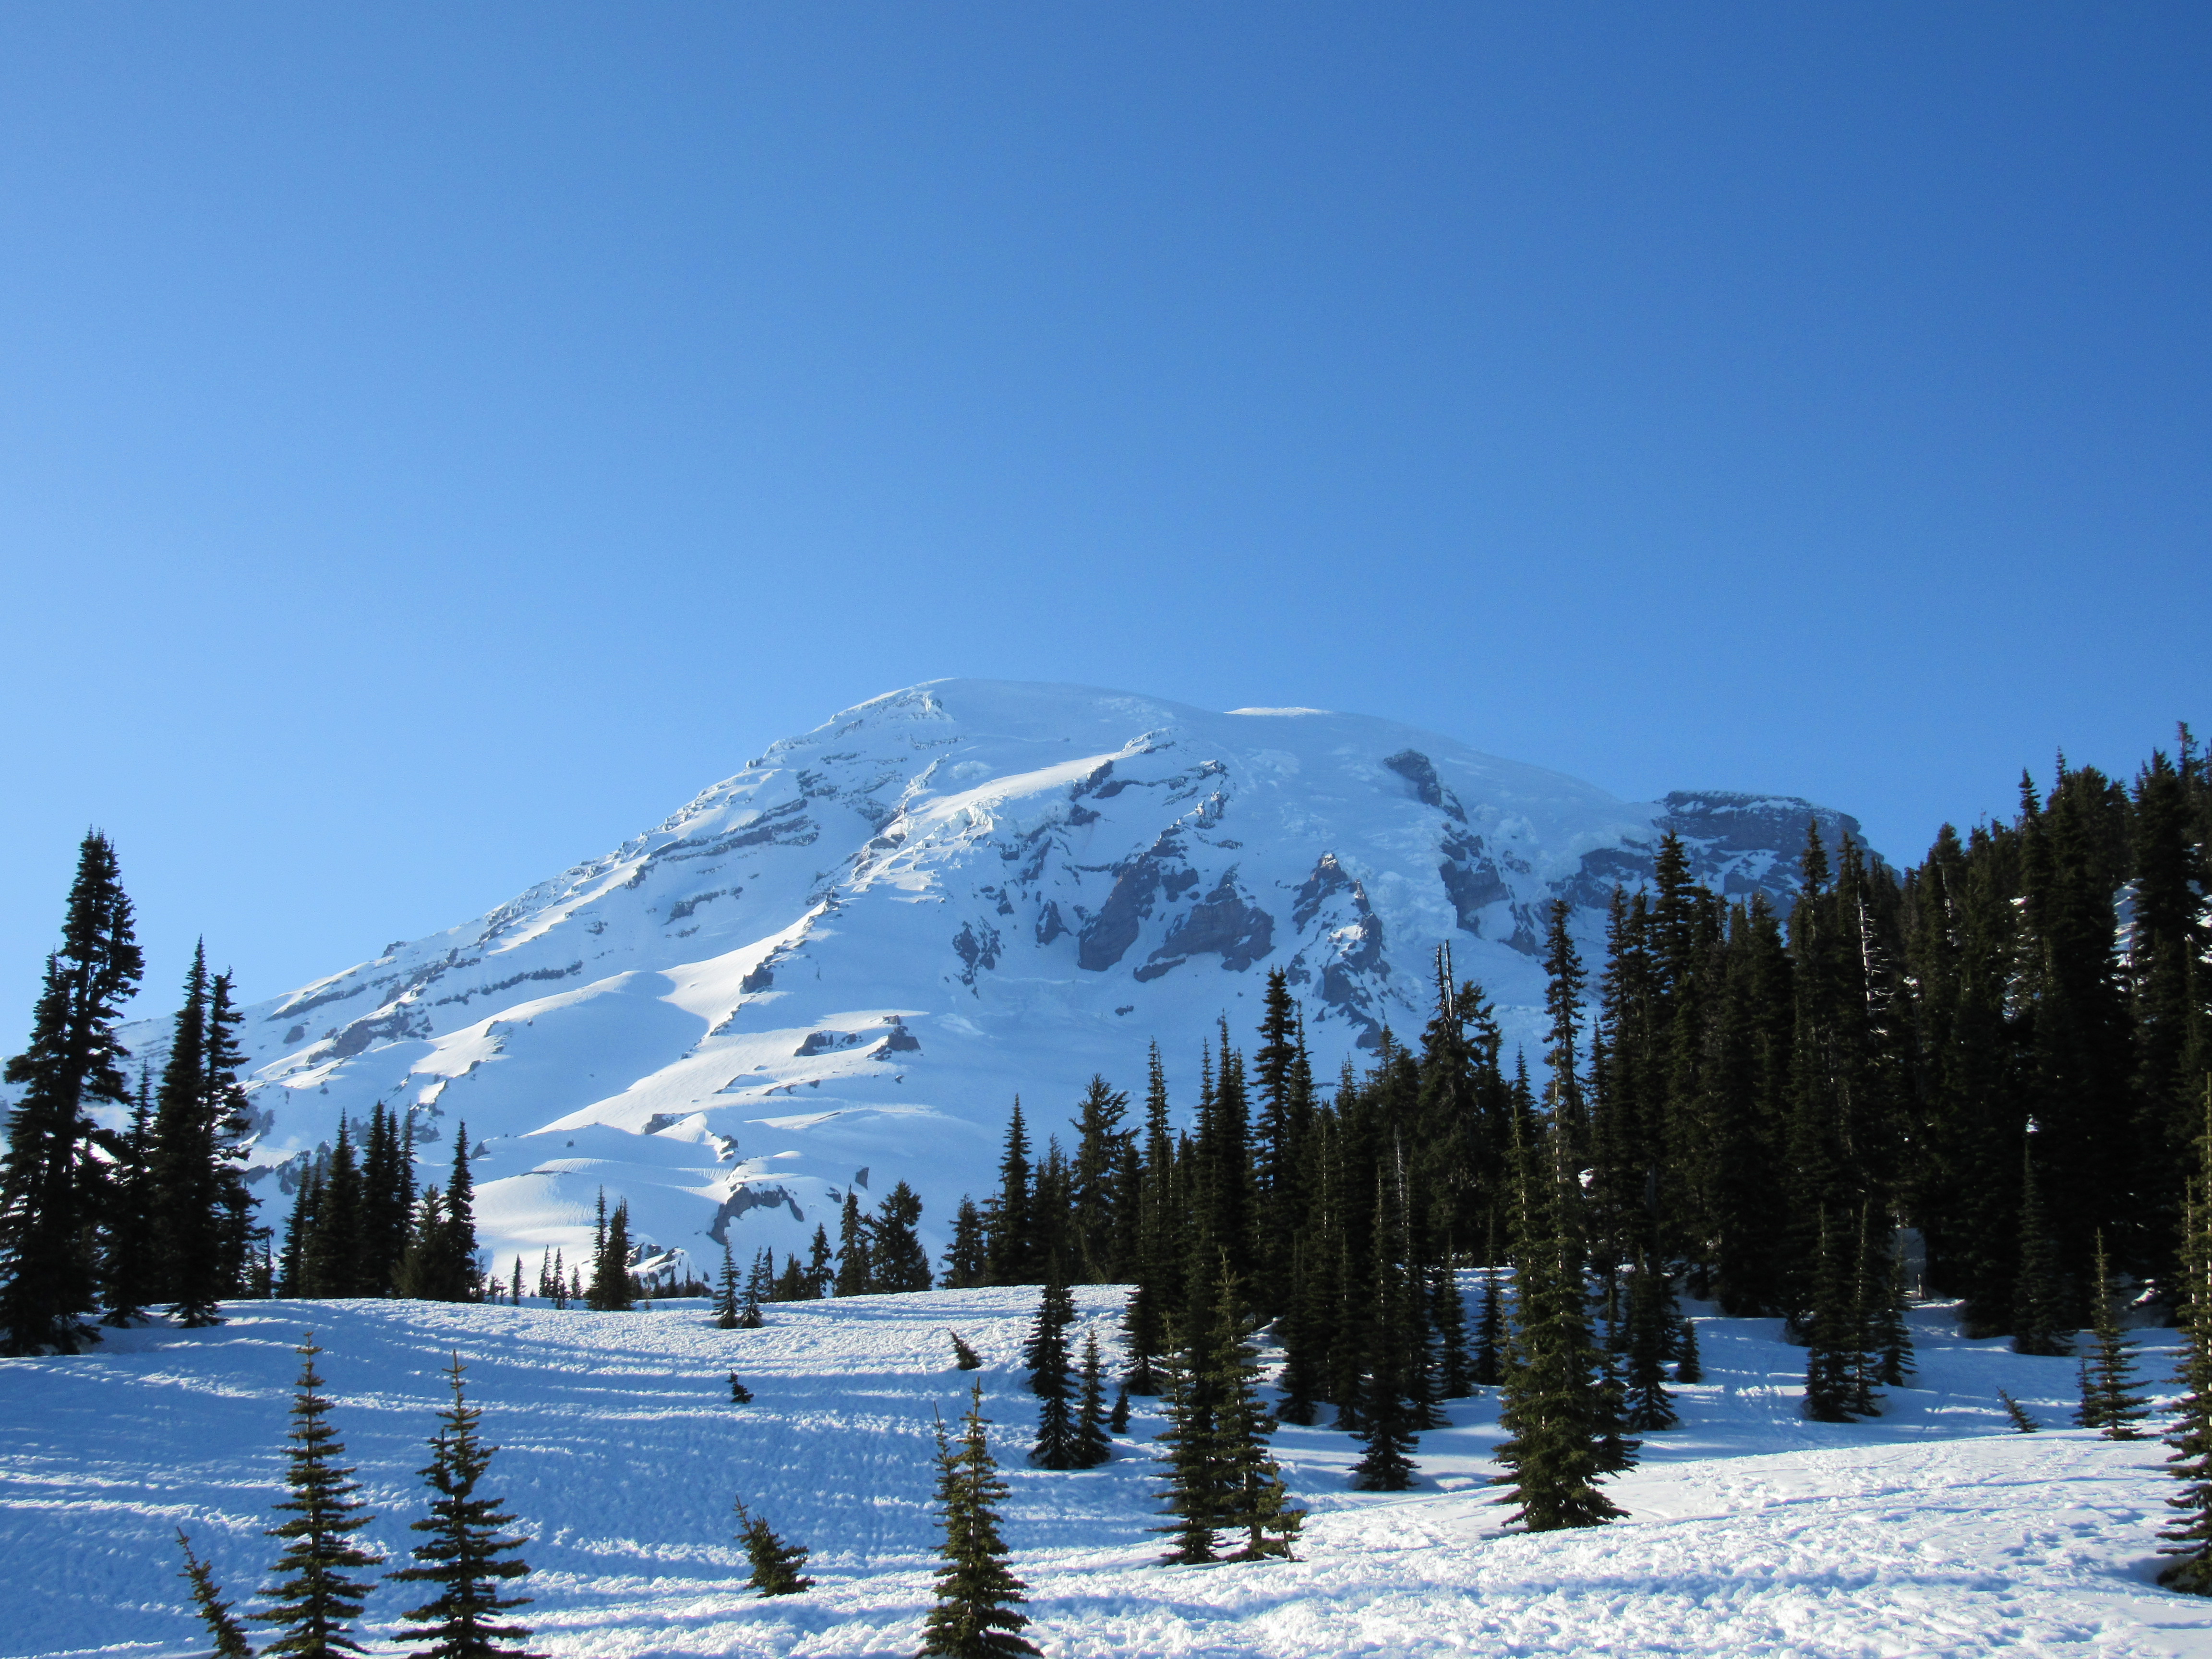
(1933, 1530)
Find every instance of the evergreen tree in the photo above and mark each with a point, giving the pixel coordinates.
(854, 1275)
(316, 1602)
(967, 1264)
(897, 1261)
(725, 1297)
(1058, 1445)
(50, 1184)
(462, 1272)
(2021, 1422)
(965, 1358)
(977, 1614)
(1490, 1334)
(739, 1394)
(610, 1289)
(1831, 1342)
(1159, 1244)
(181, 1159)
(1118, 1418)
(1012, 1222)
(775, 1563)
(757, 1286)
(333, 1255)
(1550, 1407)
(1892, 1335)
(1092, 1446)
(791, 1283)
(2040, 1325)
(1688, 1367)
(464, 1555)
(1095, 1177)
(1652, 1325)
(2188, 1538)
(1196, 1496)
(1455, 1367)
(222, 1626)
(128, 1270)
(1254, 1499)
(819, 1275)
(2109, 1402)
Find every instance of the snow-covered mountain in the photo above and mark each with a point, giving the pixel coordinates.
(837, 969)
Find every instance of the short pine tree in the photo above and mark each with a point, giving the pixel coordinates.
(1092, 1447)
(464, 1555)
(222, 1626)
(965, 1358)
(315, 1602)
(758, 1283)
(977, 1614)
(2021, 1422)
(1118, 1418)
(775, 1563)
(2109, 1402)
(726, 1294)
(739, 1394)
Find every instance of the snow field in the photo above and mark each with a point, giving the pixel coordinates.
(1932, 1530)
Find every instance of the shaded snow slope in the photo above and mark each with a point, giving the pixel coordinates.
(835, 969)
(1933, 1530)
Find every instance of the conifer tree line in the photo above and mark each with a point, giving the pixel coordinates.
(97, 1222)
(2002, 1048)
(359, 1228)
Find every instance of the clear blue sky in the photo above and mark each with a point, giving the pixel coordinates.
(436, 440)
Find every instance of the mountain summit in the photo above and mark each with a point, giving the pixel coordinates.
(835, 969)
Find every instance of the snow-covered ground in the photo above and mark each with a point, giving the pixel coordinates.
(1932, 1530)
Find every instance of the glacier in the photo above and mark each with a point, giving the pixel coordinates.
(837, 967)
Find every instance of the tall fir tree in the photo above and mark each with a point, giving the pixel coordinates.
(465, 1554)
(51, 1189)
(725, 1295)
(1651, 1327)
(2040, 1322)
(610, 1289)
(977, 1614)
(129, 1267)
(315, 1602)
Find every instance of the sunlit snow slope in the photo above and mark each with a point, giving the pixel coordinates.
(835, 969)
(1930, 1530)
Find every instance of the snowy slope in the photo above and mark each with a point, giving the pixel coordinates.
(837, 967)
(1933, 1530)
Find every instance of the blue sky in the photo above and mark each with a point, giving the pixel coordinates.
(436, 440)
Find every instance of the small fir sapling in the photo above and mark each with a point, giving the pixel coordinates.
(315, 1602)
(775, 1562)
(2109, 1402)
(1118, 1420)
(965, 1358)
(2021, 1421)
(739, 1394)
(978, 1611)
(465, 1559)
(222, 1626)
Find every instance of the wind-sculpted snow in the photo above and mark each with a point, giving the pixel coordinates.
(858, 950)
(1933, 1530)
